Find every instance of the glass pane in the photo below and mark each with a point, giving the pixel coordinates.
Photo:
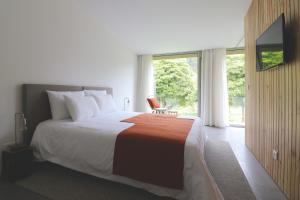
(236, 88)
(176, 84)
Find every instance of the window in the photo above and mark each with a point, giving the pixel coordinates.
(176, 78)
(236, 86)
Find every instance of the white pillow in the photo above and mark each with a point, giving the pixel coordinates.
(57, 103)
(94, 92)
(106, 103)
(81, 108)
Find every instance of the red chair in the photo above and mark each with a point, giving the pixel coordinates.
(156, 108)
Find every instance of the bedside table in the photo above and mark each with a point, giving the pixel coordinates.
(17, 163)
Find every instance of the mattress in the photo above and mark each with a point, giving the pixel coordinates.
(88, 147)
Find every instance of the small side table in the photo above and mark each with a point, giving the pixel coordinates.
(160, 110)
(17, 163)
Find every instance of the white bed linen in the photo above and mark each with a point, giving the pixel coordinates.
(88, 147)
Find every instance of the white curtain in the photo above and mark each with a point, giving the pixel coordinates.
(214, 94)
(145, 82)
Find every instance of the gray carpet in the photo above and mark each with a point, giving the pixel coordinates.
(10, 191)
(227, 172)
(58, 183)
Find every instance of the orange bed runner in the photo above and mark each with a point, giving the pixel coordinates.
(152, 150)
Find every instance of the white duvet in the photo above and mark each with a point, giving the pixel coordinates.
(88, 147)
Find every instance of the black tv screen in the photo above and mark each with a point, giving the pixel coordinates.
(270, 51)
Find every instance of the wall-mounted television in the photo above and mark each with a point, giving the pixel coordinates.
(270, 46)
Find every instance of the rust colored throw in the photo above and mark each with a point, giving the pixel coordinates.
(152, 150)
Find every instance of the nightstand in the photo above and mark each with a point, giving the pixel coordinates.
(17, 163)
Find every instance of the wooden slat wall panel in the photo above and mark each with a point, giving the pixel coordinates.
(297, 176)
(273, 97)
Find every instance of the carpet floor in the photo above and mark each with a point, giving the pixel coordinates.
(227, 172)
(58, 183)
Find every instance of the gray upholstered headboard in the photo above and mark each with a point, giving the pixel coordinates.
(36, 107)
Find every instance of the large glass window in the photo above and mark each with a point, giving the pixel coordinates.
(236, 87)
(176, 83)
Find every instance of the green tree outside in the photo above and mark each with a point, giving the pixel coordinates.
(236, 87)
(236, 76)
(175, 83)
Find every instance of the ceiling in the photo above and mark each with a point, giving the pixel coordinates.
(167, 26)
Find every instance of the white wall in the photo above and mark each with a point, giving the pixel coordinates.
(57, 42)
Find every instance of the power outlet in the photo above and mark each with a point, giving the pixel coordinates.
(275, 154)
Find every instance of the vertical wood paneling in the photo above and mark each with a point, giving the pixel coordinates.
(297, 186)
(273, 97)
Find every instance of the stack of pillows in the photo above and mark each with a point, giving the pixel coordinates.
(80, 105)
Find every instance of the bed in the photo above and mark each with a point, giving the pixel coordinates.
(88, 146)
